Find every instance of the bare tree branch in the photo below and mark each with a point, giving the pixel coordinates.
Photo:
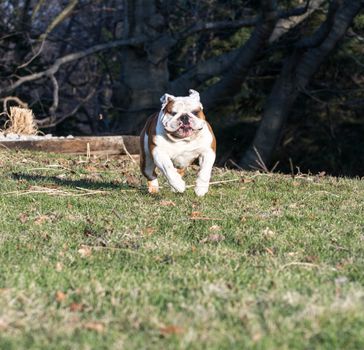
(217, 65)
(72, 57)
(286, 23)
(208, 26)
(240, 23)
(201, 72)
(39, 51)
(231, 82)
(53, 121)
(321, 34)
(295, 76)
(15, 99)
(53, 108)
(60, 18)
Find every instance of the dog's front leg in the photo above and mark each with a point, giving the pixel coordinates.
(164, 163)
(206, 160)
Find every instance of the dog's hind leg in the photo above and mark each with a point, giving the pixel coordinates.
(147, 165)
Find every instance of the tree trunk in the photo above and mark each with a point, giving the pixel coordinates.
(230, 84)
(295, 76)
(144, 71)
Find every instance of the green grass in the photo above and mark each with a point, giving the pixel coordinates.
(270, 262)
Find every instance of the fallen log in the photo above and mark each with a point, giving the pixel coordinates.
(95, 145)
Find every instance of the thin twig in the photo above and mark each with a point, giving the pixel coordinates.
(34, 56)
(217, 182)
(235, 164)
(205, 218)
(15, 99)
(260, 161)
(53, 192)
(53, 108)
(52, 69)
(126, 151)
(298, 263)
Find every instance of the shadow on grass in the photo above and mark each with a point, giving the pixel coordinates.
(84, 183)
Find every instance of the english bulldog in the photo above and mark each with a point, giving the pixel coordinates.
(173, 138)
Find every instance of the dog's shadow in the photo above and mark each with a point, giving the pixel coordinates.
(64, 182)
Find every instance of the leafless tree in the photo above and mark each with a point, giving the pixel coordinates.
(86, 59)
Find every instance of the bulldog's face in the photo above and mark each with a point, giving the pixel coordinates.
(182, 116)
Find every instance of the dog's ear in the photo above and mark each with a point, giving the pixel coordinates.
(194, 94)
(165, 99)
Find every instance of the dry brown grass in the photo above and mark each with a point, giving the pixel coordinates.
(21, 121)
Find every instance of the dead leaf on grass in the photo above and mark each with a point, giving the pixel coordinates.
(215, 228)
(167, 203)
(267, 232)
(94, 326)
(311, 259)
(269, 251)
(85, 251)
(75, 307)
(132, 181)
(59, 267)
(41, 219)
(213, 238)
(197, 215)
(171, 329)
(23, 218)
(3, 325)
(60, 296)
(256, 337)
(90, 168)
(149, 231)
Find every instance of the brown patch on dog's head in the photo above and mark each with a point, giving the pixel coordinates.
(169, 106)
(201, 115)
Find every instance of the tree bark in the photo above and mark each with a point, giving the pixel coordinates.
(218, 65)
(230, 84)
(295, 76)
(144, 71)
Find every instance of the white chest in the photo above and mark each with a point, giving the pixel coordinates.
(183, 153)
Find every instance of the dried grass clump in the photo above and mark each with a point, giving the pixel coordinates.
(21, 121)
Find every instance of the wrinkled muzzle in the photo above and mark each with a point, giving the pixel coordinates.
(182, 125)
(170, 123)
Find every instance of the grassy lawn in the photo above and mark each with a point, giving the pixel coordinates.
(89, 260)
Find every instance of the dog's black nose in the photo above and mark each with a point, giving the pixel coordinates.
(184, 118)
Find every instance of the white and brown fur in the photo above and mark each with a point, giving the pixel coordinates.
(166, 145)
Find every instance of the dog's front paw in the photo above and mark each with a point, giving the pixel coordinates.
(201, 189)
(153, 186)
(178, 185)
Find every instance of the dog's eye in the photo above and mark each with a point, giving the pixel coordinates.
(173, 114)
(195, 112)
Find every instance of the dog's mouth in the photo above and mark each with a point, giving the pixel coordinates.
(184, 131)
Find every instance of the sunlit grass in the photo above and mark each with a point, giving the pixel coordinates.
(89, 260)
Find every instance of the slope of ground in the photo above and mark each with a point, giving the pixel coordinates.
(89, 260)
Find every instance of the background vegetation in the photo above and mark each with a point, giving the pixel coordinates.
(282, 79)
